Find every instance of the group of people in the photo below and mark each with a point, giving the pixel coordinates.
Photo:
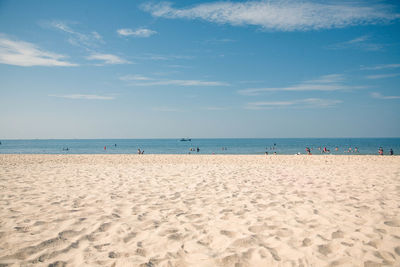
(350, 150)
(192, 149)
(380, 151)
(308, 150)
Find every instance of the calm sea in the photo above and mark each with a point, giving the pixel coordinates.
(206, 146)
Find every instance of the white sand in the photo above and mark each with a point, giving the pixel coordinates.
(188, 210)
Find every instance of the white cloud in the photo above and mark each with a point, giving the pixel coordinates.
(88, 97)
(382, 76)
(182, 83)
(332, 82)
(361, 42)
(87, 40)
(139, 80)
(26, 54)
(287, 15)
(163, 57)
(308, 102)
(380, 96)
(137, 33)
(381, 67)
(108, 59)
(135, 77)
(97, 36)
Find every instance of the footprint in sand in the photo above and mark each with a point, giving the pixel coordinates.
(27, 251)
(227, 233)
(129, 236)
(337, 234)
(231, 260)
(193, 216)
(284, 232)
(386, 256)
(175, 236)
(307, 242)
(168, 231)
(58, 264)
(373, 243)
(393, 223)
(141, 252)
(104, 227)
(101, 246)
(246, 242)
(324, 249)
(258, 228)
(339, 262)
(113, 255)
(372, 264)
(68, 234)
(39, 223)
(22, 229)
(397, 250)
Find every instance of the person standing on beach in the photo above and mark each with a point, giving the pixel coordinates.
(391, 152)
(380, 151)
(138, 151)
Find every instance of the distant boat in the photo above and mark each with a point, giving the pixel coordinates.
(186, 139)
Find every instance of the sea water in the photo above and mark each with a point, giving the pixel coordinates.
(288, 146)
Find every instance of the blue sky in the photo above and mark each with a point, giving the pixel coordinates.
(140, 69)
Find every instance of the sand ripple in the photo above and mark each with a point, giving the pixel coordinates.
(154, 210)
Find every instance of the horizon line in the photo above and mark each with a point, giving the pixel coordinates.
(178, 138)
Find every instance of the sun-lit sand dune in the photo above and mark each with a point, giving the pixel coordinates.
(191, 210)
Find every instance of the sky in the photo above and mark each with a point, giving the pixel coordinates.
(199, 69)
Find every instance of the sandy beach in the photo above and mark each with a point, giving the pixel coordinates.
(191, 210)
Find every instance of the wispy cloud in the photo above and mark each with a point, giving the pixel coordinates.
(139, 80)
(134, 77)
(382, 76)
(219, 41)
(380, 67)
(177, 66)
(137, 33)
(85, 40)
(215, 108)
(159, 57)
(380, 96)
(362, 42)
(332, 82)
(183, 83)
(166, 109)
(308, 102)
(87, 97)
(26, 54)
(108, 59)
(287, 15)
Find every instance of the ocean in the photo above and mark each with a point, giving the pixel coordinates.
(253, 146)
